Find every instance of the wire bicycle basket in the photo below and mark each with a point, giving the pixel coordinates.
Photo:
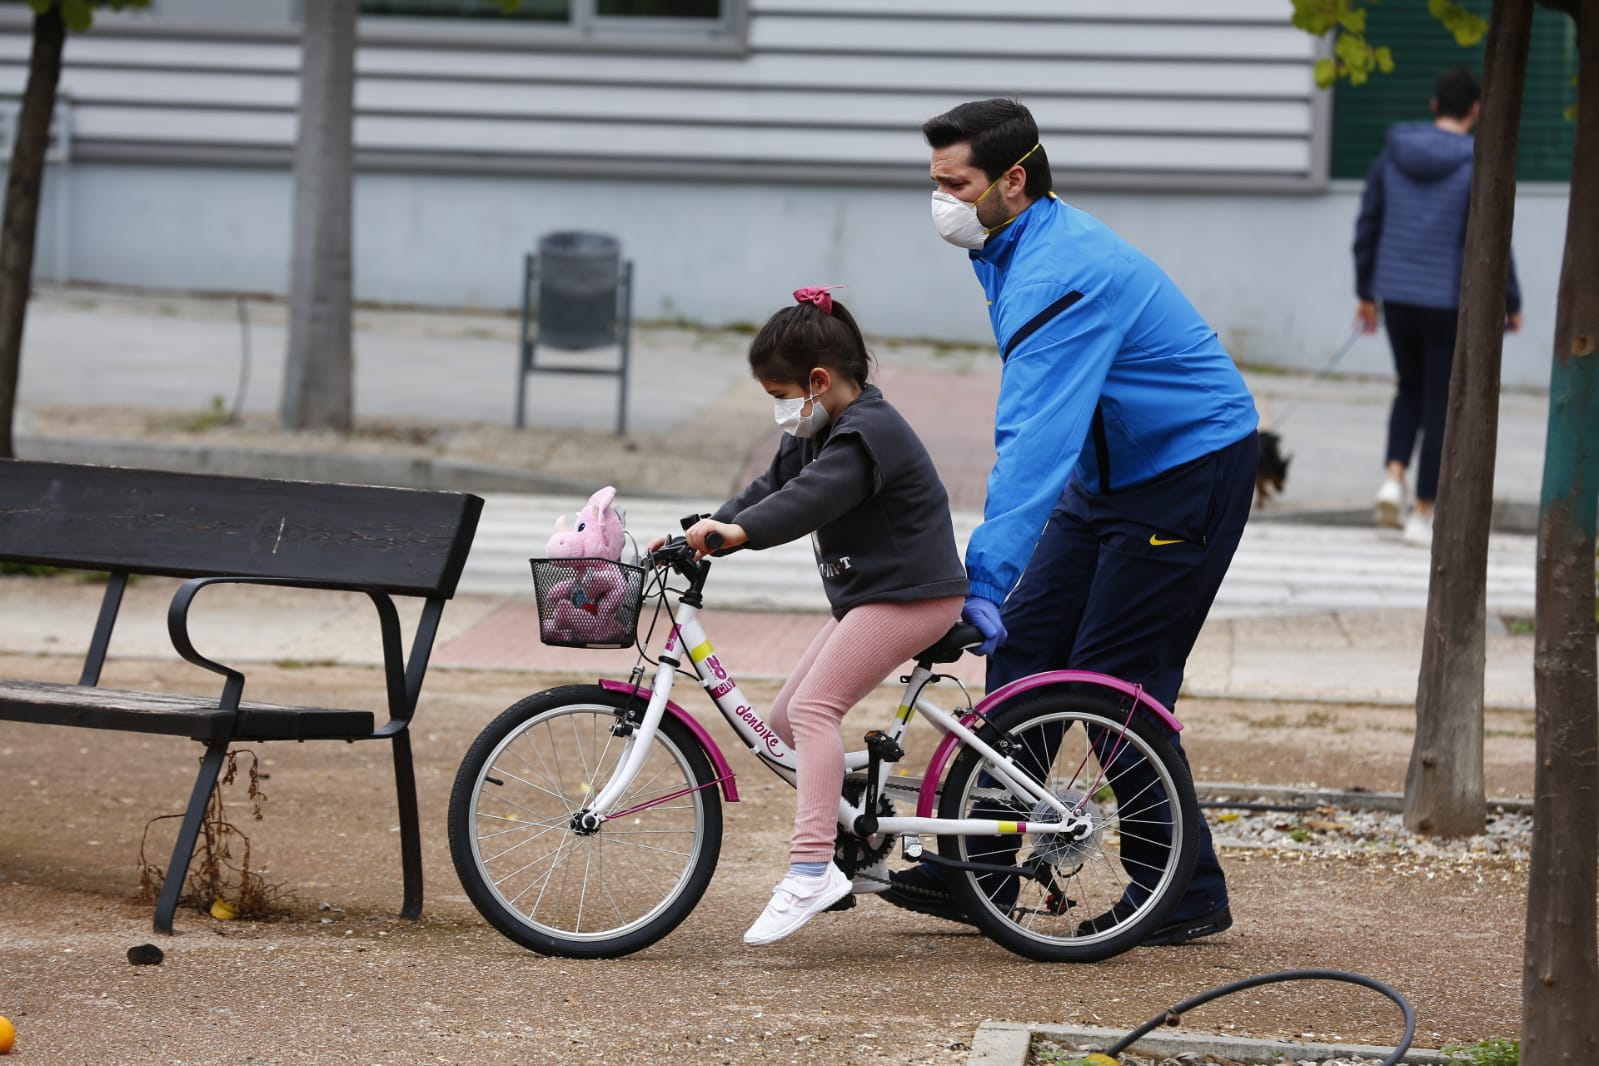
(588, 603)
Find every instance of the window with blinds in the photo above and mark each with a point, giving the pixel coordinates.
(1422, 50)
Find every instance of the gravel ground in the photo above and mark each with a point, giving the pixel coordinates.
(349, 983)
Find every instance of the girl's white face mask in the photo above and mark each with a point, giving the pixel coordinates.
(803, 426)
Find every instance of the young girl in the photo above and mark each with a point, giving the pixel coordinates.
(853, 474)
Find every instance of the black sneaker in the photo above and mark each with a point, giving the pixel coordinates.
(1180, 932)
(1218, 920)
(918, 890)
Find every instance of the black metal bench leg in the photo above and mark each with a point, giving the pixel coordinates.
(410, 826)
(193, 818)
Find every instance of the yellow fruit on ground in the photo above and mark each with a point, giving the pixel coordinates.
(8, 1035)
(222, 910)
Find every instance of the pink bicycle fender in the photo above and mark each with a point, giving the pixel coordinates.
(935, 766)
(724, 772)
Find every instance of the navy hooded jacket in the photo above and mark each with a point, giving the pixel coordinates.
(1411, 234)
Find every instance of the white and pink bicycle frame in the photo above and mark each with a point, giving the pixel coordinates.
(688, 634)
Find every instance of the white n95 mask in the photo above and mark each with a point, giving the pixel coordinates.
(787, 413)
(956, 221)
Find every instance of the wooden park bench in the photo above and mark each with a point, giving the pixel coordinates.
(383, 542)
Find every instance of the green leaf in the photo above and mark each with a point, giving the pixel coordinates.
(1353, 20)
(40, 6)
(1326, 73)
(77, 14)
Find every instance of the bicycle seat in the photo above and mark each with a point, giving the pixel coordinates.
(961, 636)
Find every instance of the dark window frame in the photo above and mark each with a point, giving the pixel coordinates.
(583, 27)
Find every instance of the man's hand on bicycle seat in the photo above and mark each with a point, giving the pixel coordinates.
(731, 536)
(984, 614)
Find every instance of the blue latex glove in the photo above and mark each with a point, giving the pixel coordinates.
(984, 614)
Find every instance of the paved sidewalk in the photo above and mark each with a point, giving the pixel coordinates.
(1319, 606)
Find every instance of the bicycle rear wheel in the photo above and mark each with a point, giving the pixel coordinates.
(1089, 895)
(561, 891)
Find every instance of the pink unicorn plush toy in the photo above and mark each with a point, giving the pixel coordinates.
(586, 605)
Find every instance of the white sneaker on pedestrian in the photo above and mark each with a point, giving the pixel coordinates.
(796, 901)
(1418, 531)
(1390, 504)
(873, 878)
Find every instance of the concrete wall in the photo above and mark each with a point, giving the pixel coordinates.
(1272, 273)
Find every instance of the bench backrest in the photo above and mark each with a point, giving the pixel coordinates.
(404, 541)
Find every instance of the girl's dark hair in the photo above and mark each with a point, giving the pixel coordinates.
(803, 336)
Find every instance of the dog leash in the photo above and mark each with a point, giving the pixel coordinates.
(1342, 351)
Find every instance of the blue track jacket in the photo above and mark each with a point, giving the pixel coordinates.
(1106, 367)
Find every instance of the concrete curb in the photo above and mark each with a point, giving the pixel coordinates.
(408, 472)
(426, 472)
(1008, 1044)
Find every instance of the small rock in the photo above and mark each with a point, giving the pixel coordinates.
(145, 955)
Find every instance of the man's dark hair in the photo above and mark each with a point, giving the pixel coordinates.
(1456, 92)
(803, 336)
(1000, 131)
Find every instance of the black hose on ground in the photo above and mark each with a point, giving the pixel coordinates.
(1174, 1014)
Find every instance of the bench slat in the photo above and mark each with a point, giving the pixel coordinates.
(172, 714)
(408, 541)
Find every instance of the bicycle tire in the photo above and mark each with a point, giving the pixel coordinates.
(1092, 907)
(553, 889)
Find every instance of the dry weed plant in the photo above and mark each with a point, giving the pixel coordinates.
(213, 873)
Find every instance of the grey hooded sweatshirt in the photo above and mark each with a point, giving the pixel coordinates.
(867, 491)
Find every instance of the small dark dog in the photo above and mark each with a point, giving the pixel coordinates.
(1272, 471)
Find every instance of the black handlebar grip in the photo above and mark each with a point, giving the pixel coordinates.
(713, 541)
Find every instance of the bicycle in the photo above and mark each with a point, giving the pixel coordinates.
(586, 820)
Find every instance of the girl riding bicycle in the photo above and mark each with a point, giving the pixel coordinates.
(853, 474)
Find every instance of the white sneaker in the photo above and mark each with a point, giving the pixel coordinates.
(1390, 504)
(1418, 531)
(796, 901)
(873, 878)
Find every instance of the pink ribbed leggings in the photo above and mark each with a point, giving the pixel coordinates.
(847, 659)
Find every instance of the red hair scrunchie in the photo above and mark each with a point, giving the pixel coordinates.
(818, 295)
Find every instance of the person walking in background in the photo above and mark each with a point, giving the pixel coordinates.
(1126, 451)
(1409, 242)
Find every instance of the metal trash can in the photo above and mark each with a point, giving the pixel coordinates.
(578, 278)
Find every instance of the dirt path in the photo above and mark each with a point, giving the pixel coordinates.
(353, 984)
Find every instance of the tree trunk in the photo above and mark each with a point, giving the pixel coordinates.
(319, 367)
(23, 184)
(1444, 787)
(1560, 967)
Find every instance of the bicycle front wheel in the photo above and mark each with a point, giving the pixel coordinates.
(1102, 887)
(560, 890)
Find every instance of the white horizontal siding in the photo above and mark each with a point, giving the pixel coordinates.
(1219, 87)
(1159, 79)
(1124, 10)
(1059, 38)
(702, 105)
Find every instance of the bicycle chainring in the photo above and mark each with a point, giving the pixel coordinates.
(851, 853)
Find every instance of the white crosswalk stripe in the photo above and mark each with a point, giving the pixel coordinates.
(1280, 568)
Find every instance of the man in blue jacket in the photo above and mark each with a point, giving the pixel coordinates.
(1126, 449)
(1409, 242)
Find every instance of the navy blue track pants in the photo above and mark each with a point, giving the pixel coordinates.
(1121, 582)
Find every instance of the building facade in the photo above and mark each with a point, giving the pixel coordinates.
(737, 148)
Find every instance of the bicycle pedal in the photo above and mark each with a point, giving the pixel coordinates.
(844, 903)
(1057, 903)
